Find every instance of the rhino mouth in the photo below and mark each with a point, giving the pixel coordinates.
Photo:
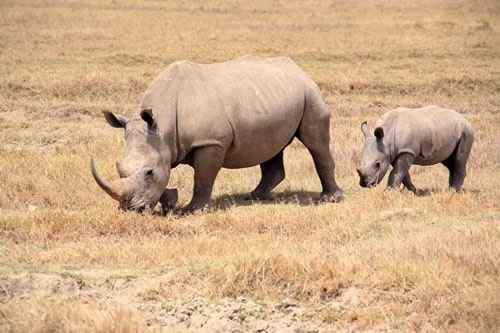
(130, 205)
(363, 182)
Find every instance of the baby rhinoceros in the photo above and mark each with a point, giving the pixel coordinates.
(423, 136)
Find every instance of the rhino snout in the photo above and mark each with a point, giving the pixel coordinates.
(369, 174)
(136, 206)
(365, 183)
(362, 182)
(362, 179)
(360, 174)
(368, 180)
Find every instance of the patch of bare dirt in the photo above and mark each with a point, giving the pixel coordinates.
(196, 314)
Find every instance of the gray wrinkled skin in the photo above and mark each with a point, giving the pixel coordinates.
(234, 114)
(423, 136)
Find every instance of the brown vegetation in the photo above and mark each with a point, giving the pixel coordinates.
(415, 263)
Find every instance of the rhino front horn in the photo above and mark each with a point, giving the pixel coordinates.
(115, 189)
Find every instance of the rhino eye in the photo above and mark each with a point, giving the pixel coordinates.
(149, 174)
(377, 164)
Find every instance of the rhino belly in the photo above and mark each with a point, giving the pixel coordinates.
(430, 155)
(253, 145)
(263, 123)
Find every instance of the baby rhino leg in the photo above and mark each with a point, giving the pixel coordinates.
(399, 172)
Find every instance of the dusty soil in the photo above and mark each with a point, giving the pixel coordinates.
(142, 296)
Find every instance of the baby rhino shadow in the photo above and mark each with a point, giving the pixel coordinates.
(425, 192)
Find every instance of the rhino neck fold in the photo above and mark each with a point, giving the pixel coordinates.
(390, 143)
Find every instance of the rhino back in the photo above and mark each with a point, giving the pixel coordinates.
(431, 134)
(251, 106)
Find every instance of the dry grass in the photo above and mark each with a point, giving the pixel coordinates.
(427, 262)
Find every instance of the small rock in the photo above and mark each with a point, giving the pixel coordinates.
(261, 326)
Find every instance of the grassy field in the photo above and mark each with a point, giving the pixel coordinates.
(69, 261)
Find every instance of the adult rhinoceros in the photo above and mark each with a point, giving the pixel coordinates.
(233, 114)
(424, 136)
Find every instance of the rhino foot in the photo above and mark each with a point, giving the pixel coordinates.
(168, 200)
(258, 196)
(329, 197)
(412, 189)
(197, 209)
(390, 190)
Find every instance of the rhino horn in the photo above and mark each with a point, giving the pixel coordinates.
(122, 172)
(364, 129)
(115, 189)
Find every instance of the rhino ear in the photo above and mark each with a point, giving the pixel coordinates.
(115, 120)
(147, 116)
(379, 133)
(364, 129)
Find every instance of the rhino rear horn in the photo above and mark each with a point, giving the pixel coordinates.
(115, 189)
(122, 172)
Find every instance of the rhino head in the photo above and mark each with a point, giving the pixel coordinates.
(145, 172)
(375, 158)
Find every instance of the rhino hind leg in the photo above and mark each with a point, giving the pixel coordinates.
(458, 177)
(449, 163)
(457, 162)
(273, 172)
(314, 133)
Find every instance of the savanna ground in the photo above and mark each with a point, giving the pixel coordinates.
(375, 262)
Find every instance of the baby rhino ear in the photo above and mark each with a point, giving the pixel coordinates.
(379, 133)
(364, 129)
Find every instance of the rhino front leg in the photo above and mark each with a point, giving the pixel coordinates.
(168, 199)
(273, 172)
(408, 184)
(399, 172)
(206, 161)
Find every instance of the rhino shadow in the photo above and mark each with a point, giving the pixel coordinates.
(425, 192)
(226, 201)
(301, 198)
